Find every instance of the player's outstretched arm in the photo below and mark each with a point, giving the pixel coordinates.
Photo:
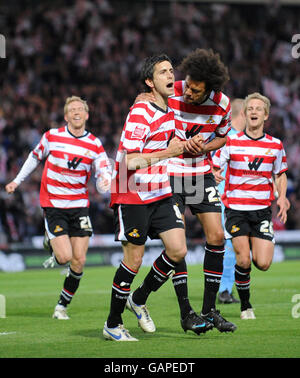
(30, 164)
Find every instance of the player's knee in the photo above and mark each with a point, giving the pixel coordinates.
(78, 263)
(177, 254)
(133, 258)
(182, 253)
(215, 238)
(63, 259)
(262, 265)
(82, 260)
(136, 262)
(244, 263)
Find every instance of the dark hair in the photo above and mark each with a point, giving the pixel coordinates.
(147, 69)
(205, 65)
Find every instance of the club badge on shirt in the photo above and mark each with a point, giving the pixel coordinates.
(138, 132)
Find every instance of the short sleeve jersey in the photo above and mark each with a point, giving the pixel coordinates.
(68, 166)
(250, 166)
(147, 129)
(213, 116)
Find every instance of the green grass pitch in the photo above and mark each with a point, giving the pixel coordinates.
(28, 331)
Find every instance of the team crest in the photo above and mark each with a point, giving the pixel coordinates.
(234, 229)
(58, 229)
(139, 132)
(134, 233)
(210, 120)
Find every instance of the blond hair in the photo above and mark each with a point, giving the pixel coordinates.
(258, 96)
(75, 98)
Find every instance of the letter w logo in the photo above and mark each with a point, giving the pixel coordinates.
(74, 163)
(193, 131)
(255, 164)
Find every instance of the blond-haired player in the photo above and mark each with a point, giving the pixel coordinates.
(253, 158)
(71, 153)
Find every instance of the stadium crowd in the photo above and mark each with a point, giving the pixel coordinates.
(55, 49)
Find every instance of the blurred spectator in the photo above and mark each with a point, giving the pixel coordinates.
(60, 48)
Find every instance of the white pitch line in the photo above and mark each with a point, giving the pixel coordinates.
(7, 333)
(44, 294)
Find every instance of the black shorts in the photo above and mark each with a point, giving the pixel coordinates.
(72, 222)
(134, 223)
(200, 193)
(257, 223)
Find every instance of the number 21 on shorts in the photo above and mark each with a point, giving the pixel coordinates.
(85, 223)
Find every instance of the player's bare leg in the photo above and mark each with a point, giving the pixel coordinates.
(241, 247)
(62, 249)
(71, 250)
(175, 244)
(262, 253)
(133, 255)
(212, 227)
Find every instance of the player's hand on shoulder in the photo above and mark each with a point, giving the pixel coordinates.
(145, 97)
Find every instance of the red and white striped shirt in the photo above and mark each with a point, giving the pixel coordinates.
(212, 116)
(69, 161)
(147, 129)
(251, 163)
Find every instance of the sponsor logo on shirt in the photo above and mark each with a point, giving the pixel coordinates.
(210, 120)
